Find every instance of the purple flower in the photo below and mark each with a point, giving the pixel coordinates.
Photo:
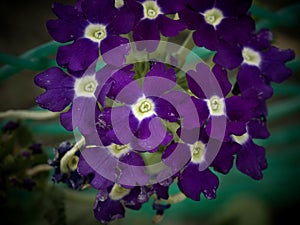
(110, 203)
(213, 20)
(251, 159)
(113, 163)
(192, 181)
(257, 59)
(215, 109)
(94, 26)
(63, 90)
(151, 20)
(139, 117)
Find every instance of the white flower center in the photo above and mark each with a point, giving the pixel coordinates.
(118, 192)
(197, 151)
(95, 32)
(213, 16)
(151, 10)
(216, 106)
(86, 86)
(118, 150)
(143, 108)
(240, 139)
(251, 57)
(119, 3)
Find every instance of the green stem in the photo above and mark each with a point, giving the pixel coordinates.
(33, 63)
(26, 114)
(41, 52)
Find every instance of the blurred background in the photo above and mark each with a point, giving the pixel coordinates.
(240, 200)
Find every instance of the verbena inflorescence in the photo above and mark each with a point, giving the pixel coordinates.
(150, 116)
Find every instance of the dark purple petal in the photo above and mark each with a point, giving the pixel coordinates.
(273, 66)
(54, 78)
(114, 50)
(67, 56)
(122, 23)
(206, 36)
(66, 12)
(251, 160)
(231, 8)
(191, 19)
(189, 136)
(249, 77)
(66, 120)
(129, 94)
(104, 165)
(77, 5)
(262, 40)
(55, 100)
(202, 109)
(121, 121)
(161, 191)
(133, 170)
(243, 28)
(236, 128)
(224, 159)
(193, 182)
(151, 133)
(119, 80)
(146, 30)
(222, 78)
(108, 210)
(240, 109)
(201, 81)
(201, 6)
(176, 156)
(257, 128)
(101, 12)
(64, 31)
(98, 181)
(217, 128)
(173, 7)
(159, 70)
(158, 80)
(165, 110)
(136, 197)
(228, 56)
(193, 85)
(185, 107)
(83, 114)
(169, 27)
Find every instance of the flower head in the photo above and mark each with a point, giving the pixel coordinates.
(218, 19)
(151, 19)
(94, 27)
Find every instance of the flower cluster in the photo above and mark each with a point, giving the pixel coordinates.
(145, 125)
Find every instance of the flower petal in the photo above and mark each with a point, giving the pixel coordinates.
(67, 56)
(193, 182)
